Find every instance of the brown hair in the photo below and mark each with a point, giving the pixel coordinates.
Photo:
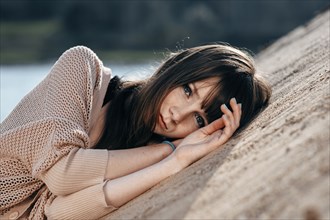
(134, 107)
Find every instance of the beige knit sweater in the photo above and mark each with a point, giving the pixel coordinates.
(45, 143)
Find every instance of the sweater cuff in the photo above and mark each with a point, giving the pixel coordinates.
(88, 203)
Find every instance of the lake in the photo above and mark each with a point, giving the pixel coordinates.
(17, 81)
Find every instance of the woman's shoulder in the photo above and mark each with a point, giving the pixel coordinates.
(80, 50)
(78, 64)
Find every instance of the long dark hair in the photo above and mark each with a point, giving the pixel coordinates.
(134, 106)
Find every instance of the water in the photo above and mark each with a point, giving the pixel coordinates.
(17, 81)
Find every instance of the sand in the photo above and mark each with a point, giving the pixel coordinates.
(276, 168)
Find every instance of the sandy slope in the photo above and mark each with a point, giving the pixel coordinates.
(278, 167)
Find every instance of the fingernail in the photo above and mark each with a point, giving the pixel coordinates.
(240, 105)
(234, 100)
(224, 105)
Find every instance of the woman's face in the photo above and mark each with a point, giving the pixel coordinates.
(181, 111)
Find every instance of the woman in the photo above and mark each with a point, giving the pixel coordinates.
(74, 145)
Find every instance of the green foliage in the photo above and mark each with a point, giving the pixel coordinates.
(25, 42)
(130, 56)
(38, 30)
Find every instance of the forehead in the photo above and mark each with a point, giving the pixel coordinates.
(206, 85)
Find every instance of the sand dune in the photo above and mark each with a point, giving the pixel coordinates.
(276, 168)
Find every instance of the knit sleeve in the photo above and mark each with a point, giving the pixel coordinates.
(73, 79)
(80, 169)
(72, 95)
(50, 121)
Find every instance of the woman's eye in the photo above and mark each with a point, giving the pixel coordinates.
(187, 90)
(200, 121)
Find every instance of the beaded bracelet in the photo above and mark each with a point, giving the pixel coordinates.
(171, 144)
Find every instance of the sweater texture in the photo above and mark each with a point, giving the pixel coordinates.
(45, 146)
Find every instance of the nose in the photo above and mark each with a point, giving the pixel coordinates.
(179, 114)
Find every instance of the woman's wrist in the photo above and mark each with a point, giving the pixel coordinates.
(170, 144)
(173, 163)
(165, 150)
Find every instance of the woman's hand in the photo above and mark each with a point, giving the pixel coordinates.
(206, 139)
(120, 190)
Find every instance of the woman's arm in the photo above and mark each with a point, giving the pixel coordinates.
(123, 189)
(123, 162)
(83, 168)
(91, 201)
(193, 147)
(79, 182)
(96, 201)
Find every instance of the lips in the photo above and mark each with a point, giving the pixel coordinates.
(162, 122)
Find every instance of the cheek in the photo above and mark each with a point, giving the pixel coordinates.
(184, 131)
(165, 103)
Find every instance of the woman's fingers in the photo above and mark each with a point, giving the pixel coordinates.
(240, 111)
(227, 112)
(231, 118)
(212, 127)
(210, 137)
(236, 111)
(227, 122)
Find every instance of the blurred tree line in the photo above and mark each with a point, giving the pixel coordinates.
(37, 30)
